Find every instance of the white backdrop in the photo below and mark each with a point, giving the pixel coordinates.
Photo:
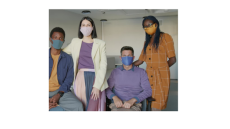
(69, 21)
(129, 32)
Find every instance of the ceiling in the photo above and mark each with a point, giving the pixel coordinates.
(112, 14)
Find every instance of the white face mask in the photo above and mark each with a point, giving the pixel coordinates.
(86, 31)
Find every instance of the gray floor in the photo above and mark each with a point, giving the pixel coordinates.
(172, 104)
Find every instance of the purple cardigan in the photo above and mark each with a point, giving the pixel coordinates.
(129, 84)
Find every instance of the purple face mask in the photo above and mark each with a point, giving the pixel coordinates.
(86, 31)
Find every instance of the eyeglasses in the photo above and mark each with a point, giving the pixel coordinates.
(150, 25)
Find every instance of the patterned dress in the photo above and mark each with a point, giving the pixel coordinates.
(158, 70)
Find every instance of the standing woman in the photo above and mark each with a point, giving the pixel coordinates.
(90, 66)
(157, 48)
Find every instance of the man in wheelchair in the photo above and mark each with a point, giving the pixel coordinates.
(128, 84)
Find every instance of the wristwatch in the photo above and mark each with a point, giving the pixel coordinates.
(61, 93)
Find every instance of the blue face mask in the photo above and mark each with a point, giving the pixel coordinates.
(57, 44)
(127, 60)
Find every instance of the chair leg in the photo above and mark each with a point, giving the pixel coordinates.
(108, 102)
(149, 106)
(144, 105)
(150, 99)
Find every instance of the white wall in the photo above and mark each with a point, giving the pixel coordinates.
(129, 32)
(69, 21)
(117, 33)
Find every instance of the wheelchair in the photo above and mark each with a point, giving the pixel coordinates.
(146, 104)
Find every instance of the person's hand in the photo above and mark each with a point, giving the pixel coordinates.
(49, 100)
(138, 62)
(129, 103)
(117, 102)
(55, 98)
(52, 105)
(95, 93)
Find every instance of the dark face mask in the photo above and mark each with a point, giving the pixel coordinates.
(57, 44)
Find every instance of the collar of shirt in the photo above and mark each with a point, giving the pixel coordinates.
(122, 68)
(61, 54)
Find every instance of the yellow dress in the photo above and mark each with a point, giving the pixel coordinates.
(158, 70)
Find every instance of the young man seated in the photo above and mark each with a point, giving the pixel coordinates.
(61, 76)
(128, 85)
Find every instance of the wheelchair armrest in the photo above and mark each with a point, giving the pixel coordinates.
(108, 102)
(150, 99)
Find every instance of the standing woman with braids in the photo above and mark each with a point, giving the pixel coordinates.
(157, 48)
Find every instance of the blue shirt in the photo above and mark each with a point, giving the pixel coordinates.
(128, 84)
(65, 72)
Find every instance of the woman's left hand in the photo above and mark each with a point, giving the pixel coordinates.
(95, 93)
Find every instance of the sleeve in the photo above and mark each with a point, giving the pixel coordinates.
(147, 91)
(68, 49)
(69, 78)
(142, 56)
(111, 83)
(100, 76)
(169, 46)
